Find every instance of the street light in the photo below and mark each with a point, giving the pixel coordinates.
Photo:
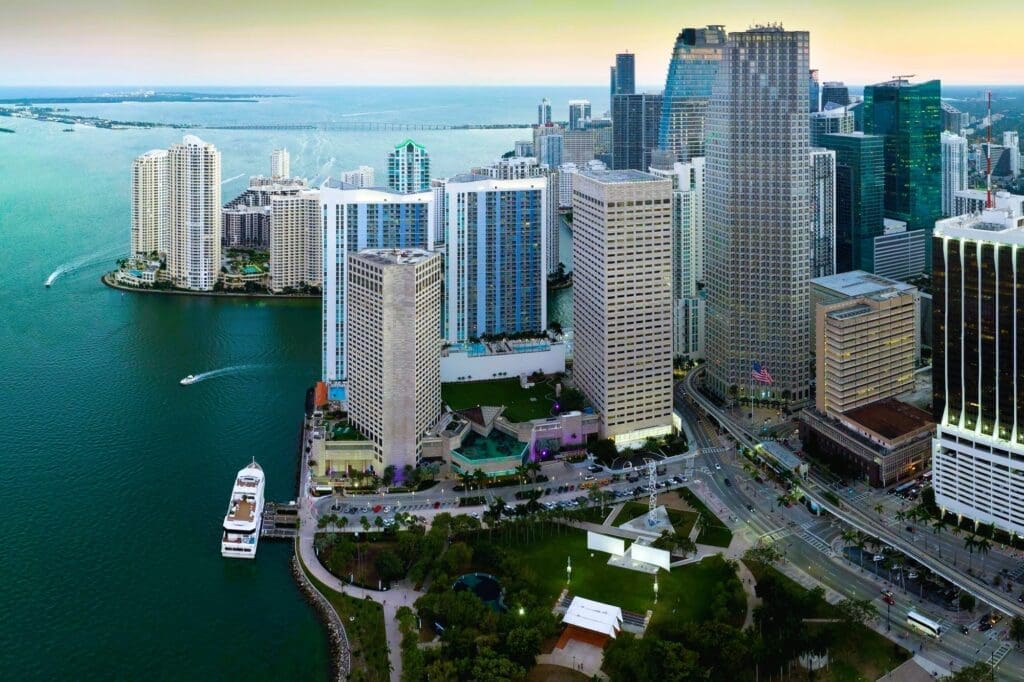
(568, 569)
(655, 588)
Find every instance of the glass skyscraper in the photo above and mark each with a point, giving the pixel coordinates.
(691, 73)
(909, 117)
(860, 185)
(625, 74)
(758, 217)
(635, 130)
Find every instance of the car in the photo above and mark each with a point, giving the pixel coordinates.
(888, 599)
(985, 627)
(377, 508)
(437, 505)
(878, 557)
(887, 593)
(547, 491)
(912, 575)
(685, 479)
(718, 467)
(589, 477)
(593, 468)
(909, 529)
(964, 630)
(387, 510)
(750, 508)
(728, 484)
(1021, 598)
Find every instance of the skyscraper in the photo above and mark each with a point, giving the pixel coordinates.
(409, 168)
(579, 114)
(360, 177)
(688, 309)
(635, 130)
(833, 92)
(280, 164)
(909, 117)
(691, 72)
(357, 219)
(834, 120)
(978, 339)
(551, 149)
(860, 188)
(394, 356)
(544, 112)
(954, 120)
(954, 169)
(758, 217)
(296, 240)
(823, 212)
(814, 91)
(193, 255)
(1011, 141)
(149, 200)
(495, 273)
(622, 301)
(624, 74)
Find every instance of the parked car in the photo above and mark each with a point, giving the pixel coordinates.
(878, 557)
(728, 484)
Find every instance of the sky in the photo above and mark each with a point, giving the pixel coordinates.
(479, 42)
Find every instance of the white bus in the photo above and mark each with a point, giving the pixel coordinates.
(924, 625)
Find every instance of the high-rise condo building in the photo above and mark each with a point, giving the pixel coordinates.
(814, 91)
(579, 114)
(524, 148)
(954, 169)
(296, 240)
(394, 386)
(544, 112)
(622, 301)
(758, 217)
(860, 188)
(408, 168)
(149, 198)
(357, 219)
(549, 152)
(1011, 141)
(977, 375)
(624, 75)
(360, 177)
(953, 120)
(280, 164)
(193, 254)
(246, 218)
(823, 212)
(691, 72)
(833, 92)
(826, 121)
(909, 117)
(688, 309)
(635, 130)
(495, 272)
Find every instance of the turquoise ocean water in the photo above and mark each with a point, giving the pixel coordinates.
(115, 478)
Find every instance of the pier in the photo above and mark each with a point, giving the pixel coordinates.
(280, 521)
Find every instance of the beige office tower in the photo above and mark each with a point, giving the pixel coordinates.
(150, 215)
(193, 255)
(393, 358)
(622, 301)
(865, 349)
(296, 241)
(280, 164)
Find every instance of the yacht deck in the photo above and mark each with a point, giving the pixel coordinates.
(242, 510)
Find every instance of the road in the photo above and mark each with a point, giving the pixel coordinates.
(813, 547)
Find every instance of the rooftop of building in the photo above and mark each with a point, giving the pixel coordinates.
(332, 183)
(998, 224)
(890, 418)
(832, 110)
(497, 445)
(394, 256)
(618, 176)
(857, 283)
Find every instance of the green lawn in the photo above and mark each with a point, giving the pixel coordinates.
(861, 654)
(682, 521)
(518, 404)
(364, 627)
(715, 533)
(684, 593)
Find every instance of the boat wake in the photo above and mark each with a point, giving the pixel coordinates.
(214, 373)
(80, 263)
(232, 178)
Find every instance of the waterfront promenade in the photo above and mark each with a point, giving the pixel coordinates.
(109, 281)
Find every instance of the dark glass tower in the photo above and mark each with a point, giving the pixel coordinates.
(834, 93)
(635, 130)
(860, 186)
(691, 72)
(909, 117)
(625, 74)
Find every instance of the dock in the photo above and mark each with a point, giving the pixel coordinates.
(280, 521)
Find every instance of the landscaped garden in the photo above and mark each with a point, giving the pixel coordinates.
(520, 404)
(682, 521)
(712, 530)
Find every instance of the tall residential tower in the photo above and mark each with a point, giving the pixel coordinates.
(150, 210)
(193, 258)
(408, 168)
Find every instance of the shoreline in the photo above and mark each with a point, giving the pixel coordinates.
(106, 279)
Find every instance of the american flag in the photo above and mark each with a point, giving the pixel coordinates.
(760, 374)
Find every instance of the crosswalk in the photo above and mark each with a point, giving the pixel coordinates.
(813, 540)
(1018, 572)
(999, 654)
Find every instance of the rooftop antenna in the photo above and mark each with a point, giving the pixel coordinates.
(988, 156)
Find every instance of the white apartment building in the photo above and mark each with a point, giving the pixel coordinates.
(149, 203)
(622, 301)
(394, 356)
(954, 170)
(296, 241)
(360, 177)
(194, 254)
(280, 164)
(1011, 140)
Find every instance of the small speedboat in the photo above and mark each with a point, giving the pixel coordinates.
(190, 379)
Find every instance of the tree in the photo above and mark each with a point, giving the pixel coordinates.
(604, 450)
(879, 509)
(365, 523)
(533, 469)
(1017, 629)
(389, 566)
(856, 610)
(466, 478)
(983, 548)
(522, 645)
(977, 672)
(480, 478)
(521, 474)
(967, 602)
(389, 475)
(763, 553)
(971, 544)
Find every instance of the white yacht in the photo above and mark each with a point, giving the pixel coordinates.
(242, 523)
(190, 379)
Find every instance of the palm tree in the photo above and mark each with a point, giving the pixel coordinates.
(521, 474)
(939, 525)
(781, 500)
(862, 543)
(466, 478)
(879, 508)
(533, 468)
(983, 547)
(1017, 629)
(365, 523)
(480, 478)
